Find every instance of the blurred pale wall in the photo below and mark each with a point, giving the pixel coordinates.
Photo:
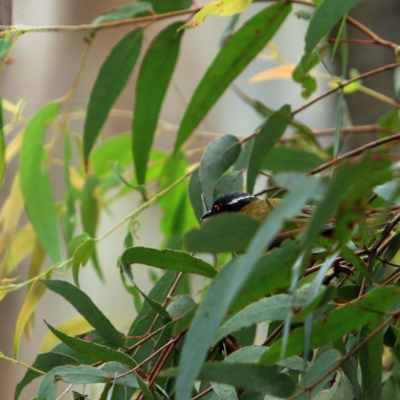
(45, 67)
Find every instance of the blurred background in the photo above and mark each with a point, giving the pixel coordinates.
(43, 68)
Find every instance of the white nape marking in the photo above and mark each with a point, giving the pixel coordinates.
(234, 201)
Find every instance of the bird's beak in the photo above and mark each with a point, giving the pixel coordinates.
(207, 214)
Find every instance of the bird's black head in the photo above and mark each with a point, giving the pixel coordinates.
(234, 201)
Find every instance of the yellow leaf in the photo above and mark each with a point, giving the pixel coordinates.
(10, 213)
(14, 146)
(283, 71)
(32, 299)
(221, 7)
(76, 179)
(21, 246)
(72, 327)
(11, 107)
(38, 255)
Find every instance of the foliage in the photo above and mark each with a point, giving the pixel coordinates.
(330, 302)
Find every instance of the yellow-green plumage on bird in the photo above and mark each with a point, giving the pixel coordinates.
(260, 209)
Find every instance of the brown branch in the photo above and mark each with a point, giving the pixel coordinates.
(200, 395)
(342, 85)
(355, 152)
(273, 334)
(355, 41)
(105, 25)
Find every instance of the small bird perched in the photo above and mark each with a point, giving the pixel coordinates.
(253, 207)
(260, 209)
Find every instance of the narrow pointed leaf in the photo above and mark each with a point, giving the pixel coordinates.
(232, 59)
(35, 182)
(168, 259)
(84, 305)
(35, 293)
(2, 145)
(93, 350)
(113, 75)
(219, 155)
(152, 84)
(269, 135)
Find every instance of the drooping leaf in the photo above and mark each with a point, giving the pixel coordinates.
(168, 259)
(81, 256)
(268, 136)
(114, 368)
(221, 7)
(195, 193)
(113, 75)
(93, 350)
(241, 48)
(2, 145)
(84, 305)
(35, 182)
(152, 84)
(370, 356)
(35, 293)
(228, 283)
(219, 155)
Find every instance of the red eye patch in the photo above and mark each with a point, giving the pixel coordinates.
(217, 208)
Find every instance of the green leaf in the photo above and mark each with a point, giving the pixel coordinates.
(339, 322)
(124, 12)
(268, 136)
(390, 121)
(115, 149)
(349, 255)
(370, 356)
(179, 305)
(323, 20)
(313, 376)
(162, 6)
(195, 194)
(44, 362)
(168, 259)
(274, 308)
(237, 53)
(35, 182)
(219, 155)
(152, 84)
(284, 159)
(110, 81)
(115, 368)
(84, 305)
(2, 145)
(223, 233)
(93, 350)
(228, 283)
(247, 376)
(81, 256)
(70, 374)
(272, 272)
(178, 214)
(232, 182)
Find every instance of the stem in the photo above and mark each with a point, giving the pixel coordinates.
(143, 206)
(113, 24)
(342, 85)
(2, 356)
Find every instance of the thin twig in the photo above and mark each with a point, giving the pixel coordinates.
(344, 84)
(200, 395)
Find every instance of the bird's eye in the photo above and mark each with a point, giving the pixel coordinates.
(216, 208)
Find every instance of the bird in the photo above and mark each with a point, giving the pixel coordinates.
(260, 209)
